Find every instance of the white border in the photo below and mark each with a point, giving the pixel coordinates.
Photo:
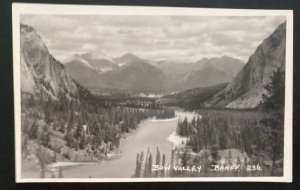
(22, 8)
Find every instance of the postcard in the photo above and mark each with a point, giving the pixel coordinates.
(147, 94)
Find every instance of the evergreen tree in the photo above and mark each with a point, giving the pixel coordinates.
(275, 91)
(172, 173)
(60, 173)
(141, 163)
(145, 173)
(149, 167)
(214, 155)
(273, 138)
(157, 162)
(48, 109)
(229, 158)
(184, 158)
(33, 130)
(45, 138)
(137, 166)
(273, 99)
(163, 163)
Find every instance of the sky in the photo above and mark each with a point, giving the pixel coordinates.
(177, 38)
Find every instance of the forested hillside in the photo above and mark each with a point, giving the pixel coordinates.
(60, 119)
(192, 99)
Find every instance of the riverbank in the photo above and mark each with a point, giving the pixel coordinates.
(150, 134)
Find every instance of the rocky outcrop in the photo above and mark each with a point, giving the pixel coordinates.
(41, 73)
(246, 89)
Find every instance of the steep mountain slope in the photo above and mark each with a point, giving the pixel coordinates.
(207, 76)
(171, 68)
(246, 89)
(81, 71)
(192, 99)
(41, 73)
(99, 62)
(137, 74)
(202, 73)
(124, 59)
(229, 65)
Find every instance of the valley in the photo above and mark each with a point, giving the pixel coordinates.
(100, 114)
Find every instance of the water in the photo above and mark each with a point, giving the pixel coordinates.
(150, 134)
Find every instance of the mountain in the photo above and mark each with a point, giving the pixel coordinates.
(133, 74)
(229, 65)
(207, 76)
(41, 73)
(246, 89)
(202, 73)
(171, 68)
(193, 98)
(98, 61)
(124, 59)
(136, 74)
(85, 74)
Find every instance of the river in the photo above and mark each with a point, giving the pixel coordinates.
(150, 134)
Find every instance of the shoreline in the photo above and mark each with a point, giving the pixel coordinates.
(111, 156)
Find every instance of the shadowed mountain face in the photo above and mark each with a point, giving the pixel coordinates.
(41, 73)
(124, 59)
(207, 76)
(99, 62)
(133, 74)
(230, 66)
(246, 89)
(84, 74)
(137, 74)
(202, 73)
(129, 72)
(193, 98)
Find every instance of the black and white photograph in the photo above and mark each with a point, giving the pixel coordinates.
(112, 94)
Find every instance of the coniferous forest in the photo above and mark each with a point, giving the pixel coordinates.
(83, 129)
(94, 115)
(220, 140)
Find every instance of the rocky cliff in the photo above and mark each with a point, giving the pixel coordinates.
(246, 89)
(41, 73)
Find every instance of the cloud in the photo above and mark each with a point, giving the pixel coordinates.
(185, 38)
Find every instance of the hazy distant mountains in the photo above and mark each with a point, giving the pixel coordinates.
(42, 74)
(128, 72)
(124, 59)
(133, 73)
(137, 74)
(208, 72)
(98, 61)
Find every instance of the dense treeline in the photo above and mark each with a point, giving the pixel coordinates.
(83, 123)
(144, 164)
(247, 131)
(194, 98)
(259, 132)
(225, 129)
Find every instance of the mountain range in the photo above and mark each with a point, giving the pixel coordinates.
(42, 74)
(130, 72)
